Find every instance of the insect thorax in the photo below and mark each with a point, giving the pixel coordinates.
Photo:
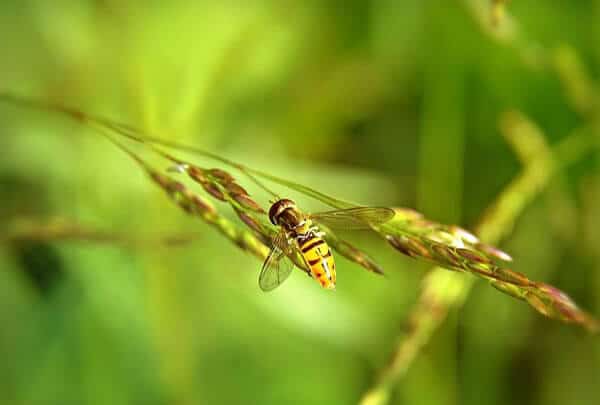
(285, 214)
(304, 228)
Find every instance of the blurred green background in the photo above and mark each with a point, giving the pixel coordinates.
(381, 102)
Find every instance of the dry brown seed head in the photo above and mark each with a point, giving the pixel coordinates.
(507, 288)
(202, 205)
(197, 174)
(348, 248)
(447, 254)
(251, 222)
(473, 256)
(245, 201)
(213, 190)
(173, 186)
(221, 175)
(514, 277)
(537, 303)
(479, 268)
(368, 263)
(418, 248)
(183, 201)
(399, 243)
(354, 254)
(160, 179)
(234, 188)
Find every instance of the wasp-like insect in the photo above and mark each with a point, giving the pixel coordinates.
(299, 233)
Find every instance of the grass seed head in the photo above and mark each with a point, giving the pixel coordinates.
(356, 255)
(245, 201)
(221, 175)
(474, 256)
(408, 231)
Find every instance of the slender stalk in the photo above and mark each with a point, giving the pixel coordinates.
(62, 229)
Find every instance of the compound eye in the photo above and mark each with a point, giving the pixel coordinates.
(278, 209)
(273, 220)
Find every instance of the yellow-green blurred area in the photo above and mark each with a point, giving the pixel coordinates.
(382, 102)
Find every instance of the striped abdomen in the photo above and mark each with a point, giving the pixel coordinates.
(319, 259)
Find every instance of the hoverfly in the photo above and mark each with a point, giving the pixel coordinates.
(299, 233)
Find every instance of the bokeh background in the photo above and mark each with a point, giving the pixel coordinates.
(398, 103)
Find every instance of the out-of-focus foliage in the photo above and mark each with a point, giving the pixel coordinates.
(381, 102)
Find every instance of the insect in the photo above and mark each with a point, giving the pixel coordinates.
(300, 234)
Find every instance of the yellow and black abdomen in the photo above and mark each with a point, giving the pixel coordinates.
(319, 260)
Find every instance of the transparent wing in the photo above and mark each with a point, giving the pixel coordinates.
(354, 218)
(277, 267)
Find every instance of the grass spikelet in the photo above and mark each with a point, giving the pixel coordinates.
(352, 253)
(223, 186)
(550, 302)
(196, 205)
(217, 183)
(440, 292)
(409, 232)
(455, 249)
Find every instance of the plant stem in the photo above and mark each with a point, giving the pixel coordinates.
(62, 229)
